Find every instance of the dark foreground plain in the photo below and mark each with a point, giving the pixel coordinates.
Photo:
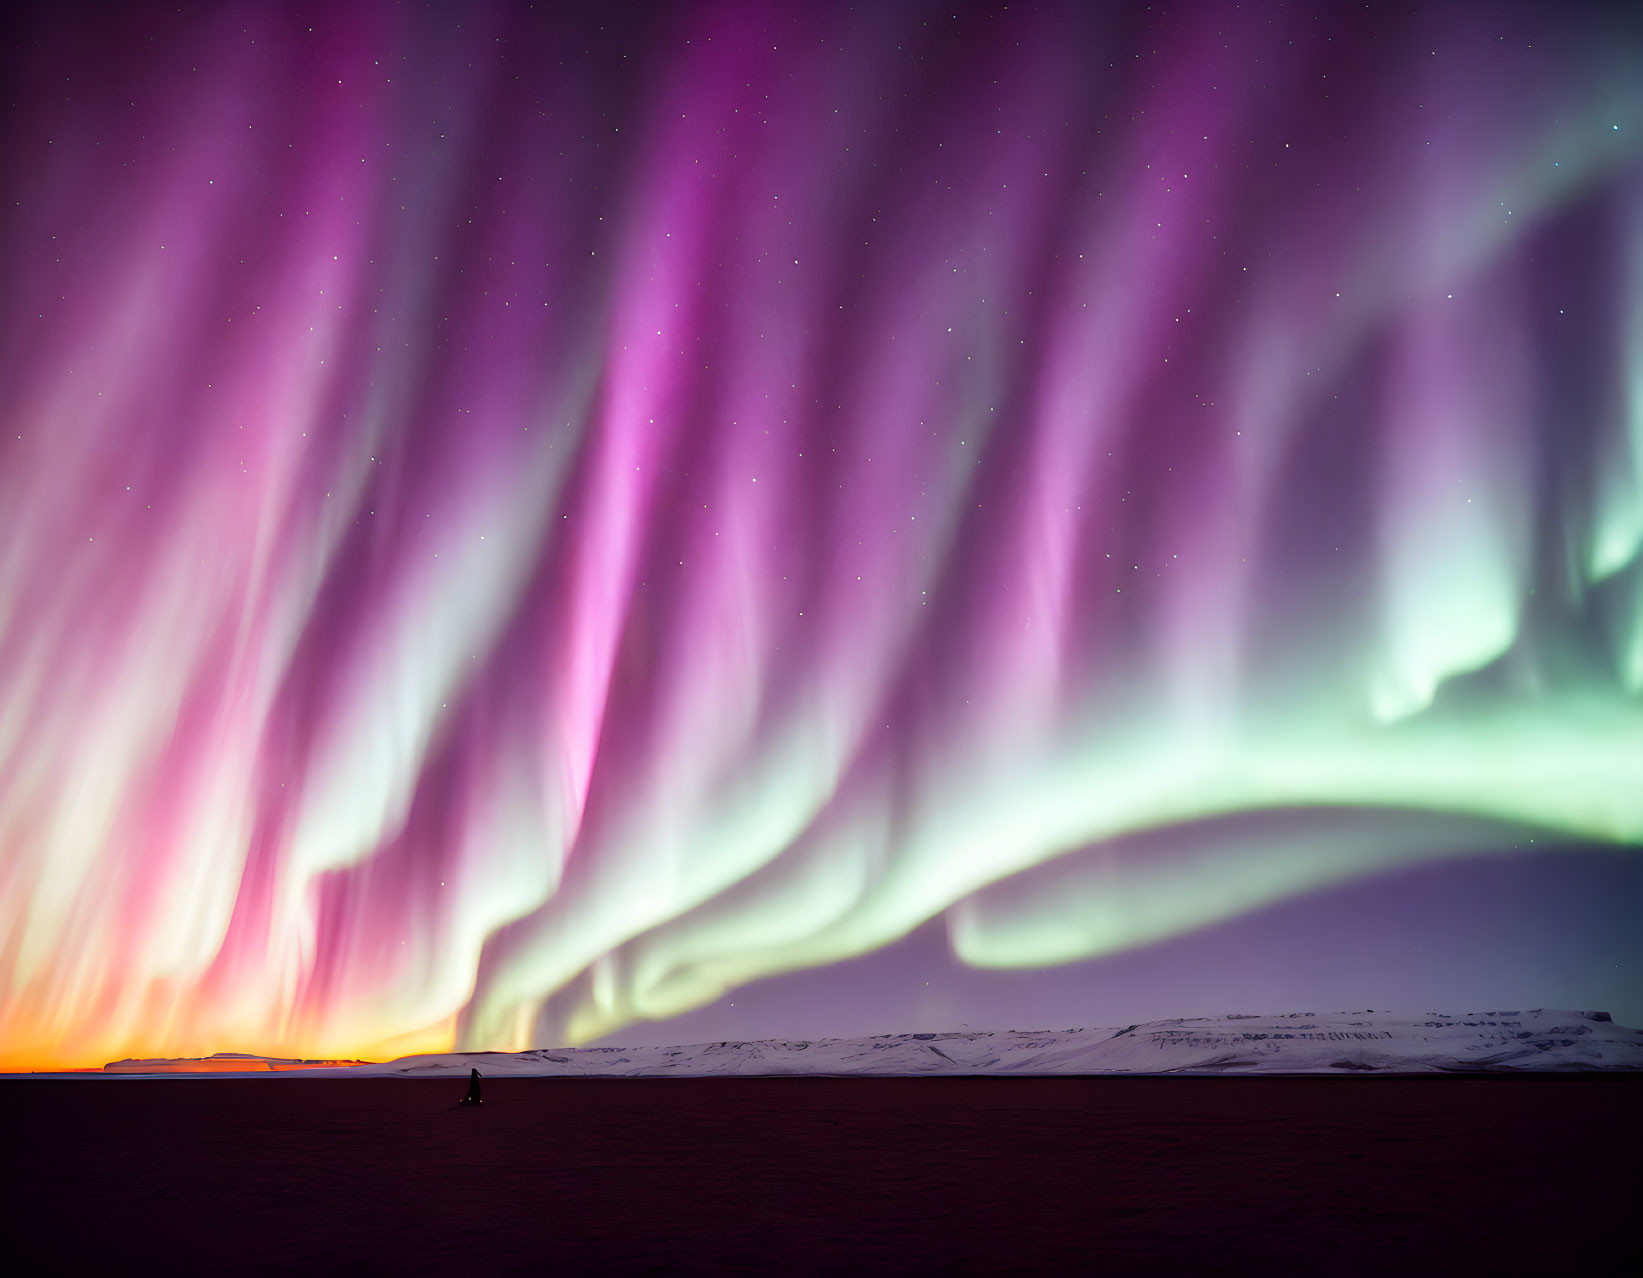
(988, 1175)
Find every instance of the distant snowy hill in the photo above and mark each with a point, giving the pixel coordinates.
(223, 1063)
(1296, 1043)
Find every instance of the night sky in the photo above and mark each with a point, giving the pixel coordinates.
(524, 525)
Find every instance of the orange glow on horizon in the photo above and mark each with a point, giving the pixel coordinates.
(41, 1048)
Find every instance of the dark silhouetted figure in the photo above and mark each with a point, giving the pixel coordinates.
(472, 1098)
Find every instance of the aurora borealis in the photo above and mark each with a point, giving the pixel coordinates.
(516, 523)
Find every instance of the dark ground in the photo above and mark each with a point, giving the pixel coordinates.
(1154, 1175)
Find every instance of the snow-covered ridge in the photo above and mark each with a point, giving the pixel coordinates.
(1537, 1040)
(224, 1063)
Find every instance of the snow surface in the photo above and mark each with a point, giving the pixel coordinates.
(1540, 1039)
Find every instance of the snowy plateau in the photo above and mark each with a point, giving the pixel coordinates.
(1537, 1040)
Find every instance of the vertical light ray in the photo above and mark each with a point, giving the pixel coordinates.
(513, 524)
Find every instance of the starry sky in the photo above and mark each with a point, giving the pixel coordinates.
(528, 525)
